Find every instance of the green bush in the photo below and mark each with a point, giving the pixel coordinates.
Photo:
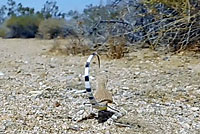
(52, 27)
(4, 31)
(23, 26)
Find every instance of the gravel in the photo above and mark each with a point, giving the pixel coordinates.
(42, 93)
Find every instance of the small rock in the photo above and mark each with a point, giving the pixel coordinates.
(69, 77)
(75, 128)
(194, 108)
(52, 66)
(57, 104)
(185, 125)
(80, 112)
(107, 132)
(136, 73)
(1, 74)
(35, 93)
(125, 88)
(166, 58)
(2, 128)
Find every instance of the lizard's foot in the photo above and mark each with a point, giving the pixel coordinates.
(117, 113)
(90, 116)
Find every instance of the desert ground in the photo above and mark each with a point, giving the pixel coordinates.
(39, 91)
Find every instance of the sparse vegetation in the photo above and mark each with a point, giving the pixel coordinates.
(52, 28)
(69, 46)
(177, 30)
(23, 26)
(4, 31)
(173, 25)
(116, 47)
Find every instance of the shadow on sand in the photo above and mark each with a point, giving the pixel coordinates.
(102, 116)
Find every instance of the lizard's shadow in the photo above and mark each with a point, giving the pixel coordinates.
(104, 115)
(101, 117)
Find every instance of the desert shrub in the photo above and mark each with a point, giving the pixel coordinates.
(116, 47)
(69, 46)
(171, 25)
(182, 6)
(23, 26)
(176, 25)
(4, 31)
(52, 27)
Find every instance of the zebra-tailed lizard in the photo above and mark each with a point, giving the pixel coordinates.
(102, 96)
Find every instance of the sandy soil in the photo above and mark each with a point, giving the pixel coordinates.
(160, 92)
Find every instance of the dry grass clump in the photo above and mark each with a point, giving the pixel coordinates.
(69, 46)
(195, 47)
(116, 47)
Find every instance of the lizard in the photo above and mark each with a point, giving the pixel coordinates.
(102, 96)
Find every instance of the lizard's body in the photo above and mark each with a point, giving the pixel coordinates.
(102, 96)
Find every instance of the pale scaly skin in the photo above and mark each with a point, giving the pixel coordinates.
(102, 95)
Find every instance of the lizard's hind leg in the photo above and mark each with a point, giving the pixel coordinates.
(117, 114)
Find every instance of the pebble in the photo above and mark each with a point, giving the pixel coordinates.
(185, 125)
(194, 108)
(165, 102)
(1, 74)
(107, 132)
(35, 93)
(125, 88)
